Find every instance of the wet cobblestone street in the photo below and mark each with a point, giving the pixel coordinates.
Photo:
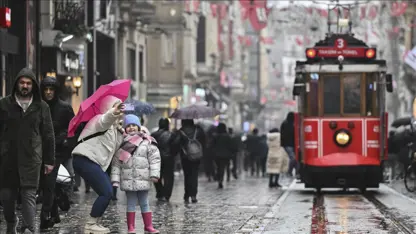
(218, 211)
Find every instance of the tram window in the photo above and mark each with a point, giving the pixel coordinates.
(370, 95)
(313, 95)
(352, 93)
(332, 98)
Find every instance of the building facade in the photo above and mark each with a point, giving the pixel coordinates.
(165, 60)
(18, 42)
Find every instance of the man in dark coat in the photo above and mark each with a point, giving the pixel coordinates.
(236, 142)
(26, 140)
(287, 140)
(61, 113)
(254, 146)
(165, 139)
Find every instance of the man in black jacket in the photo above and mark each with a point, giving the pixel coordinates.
(287, 140)
(62, 113)
(164, 140)
(27, 140)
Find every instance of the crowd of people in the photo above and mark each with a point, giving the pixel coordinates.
(115, 151)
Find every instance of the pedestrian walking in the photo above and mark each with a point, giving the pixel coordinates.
(136, 164)
(27, 142)
(261, 156)
(165, 143)
(288, 141)
(253, 144)
(236, 141)
(93, 156)
(191, 139)
(208, 158)
(277, 158)
(61, 113)
(224, 149)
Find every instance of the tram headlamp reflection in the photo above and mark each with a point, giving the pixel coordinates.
(342, 138)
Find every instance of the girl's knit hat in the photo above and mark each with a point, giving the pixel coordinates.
(131, 119)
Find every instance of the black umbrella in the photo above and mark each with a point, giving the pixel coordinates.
(401, 122)
(195, 112)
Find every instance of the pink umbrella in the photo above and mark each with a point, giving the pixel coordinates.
(90, 107)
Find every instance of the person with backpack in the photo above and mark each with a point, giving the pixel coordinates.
(97, 143)
(166, 147)
(61, 113)
(191, 140)
(136, 164)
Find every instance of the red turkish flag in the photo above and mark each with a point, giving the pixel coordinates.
(257, 12)
(363, 12)
(214, 8)
(267, 40)
(248, 41)
(244, 13)
(258, 17)
(299, 41)
(372, 14)
(323, 13)
(196, 5)
(187, 6)
(398, 9)
(223, 11)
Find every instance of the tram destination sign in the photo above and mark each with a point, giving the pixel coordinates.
(328, 52)
(340, 48)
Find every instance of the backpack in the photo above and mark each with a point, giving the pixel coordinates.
(72, 142)
(193, 148)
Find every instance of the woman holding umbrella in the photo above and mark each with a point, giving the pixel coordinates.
(92, 157)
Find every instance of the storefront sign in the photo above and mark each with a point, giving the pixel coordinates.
(70, 63)
(5, 17)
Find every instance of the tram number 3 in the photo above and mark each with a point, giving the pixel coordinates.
(340, 43)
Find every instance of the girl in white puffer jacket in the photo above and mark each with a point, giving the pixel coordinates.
(136, 164)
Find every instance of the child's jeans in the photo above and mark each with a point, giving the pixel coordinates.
(133, 197)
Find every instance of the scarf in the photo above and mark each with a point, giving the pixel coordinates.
(130, 144)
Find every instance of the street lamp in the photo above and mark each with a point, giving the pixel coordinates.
(172, 12)
(77, 83)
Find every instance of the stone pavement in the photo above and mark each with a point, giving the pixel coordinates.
(399, 186)
(218, 211)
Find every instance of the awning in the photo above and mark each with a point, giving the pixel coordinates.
(9, 43)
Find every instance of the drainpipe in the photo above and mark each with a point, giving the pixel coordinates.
(94, 49)
(38, 39)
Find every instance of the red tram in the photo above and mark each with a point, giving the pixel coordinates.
(341, 124)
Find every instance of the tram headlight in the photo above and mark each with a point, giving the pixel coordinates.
(342, 138)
